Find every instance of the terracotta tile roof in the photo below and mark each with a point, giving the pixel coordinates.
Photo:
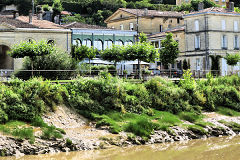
(65, 13)
(43, 24)
(155, 13)
(175, 29)
(15, 22)
(214, 10)
(83, 25)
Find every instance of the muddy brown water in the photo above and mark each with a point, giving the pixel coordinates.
(223, 148)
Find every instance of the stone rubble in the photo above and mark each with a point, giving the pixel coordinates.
(85, 137)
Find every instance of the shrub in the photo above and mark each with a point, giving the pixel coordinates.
(141, 127)
(51, 133)
(55, 61)
(166, 96)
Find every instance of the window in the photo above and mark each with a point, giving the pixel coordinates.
(160, 28)
(131, 26)
(235, 26)
(196, 25)
(51, 42)
(197, 42)
(87, 42)
(236, 42)
(108, 44)
(223, 25)
(98, 45)
(178, 20)
(224, 42)
(77, 42)
(197, 64)
(121, 27)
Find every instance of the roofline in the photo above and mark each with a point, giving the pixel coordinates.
(106, 20)
(106, 30)
(43, 30)
(219, 13)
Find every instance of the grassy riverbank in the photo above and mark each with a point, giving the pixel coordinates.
(122, 106)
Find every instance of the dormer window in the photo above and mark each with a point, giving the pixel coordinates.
(121, 16)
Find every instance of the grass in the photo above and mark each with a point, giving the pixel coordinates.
(22, 130)
(197, 129)
(140, 125)
(233, 125)
(19, 130)
(190, 116)
(227, 112)
(51, 133)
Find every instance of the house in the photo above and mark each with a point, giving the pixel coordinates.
(178, 35)
(14, 29)
(218, 2)
(211, 31)
(144, 20)
(101, 38)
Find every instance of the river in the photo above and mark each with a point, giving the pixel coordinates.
(223, 148)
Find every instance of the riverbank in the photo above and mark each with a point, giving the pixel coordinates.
(95, 113)
(84, 136)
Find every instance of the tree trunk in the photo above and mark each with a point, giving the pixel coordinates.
(139, 69)
(90, 66)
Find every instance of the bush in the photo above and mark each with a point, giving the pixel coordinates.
(55, 61)
(165, 96)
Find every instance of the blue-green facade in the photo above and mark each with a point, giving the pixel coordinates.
(103, 35)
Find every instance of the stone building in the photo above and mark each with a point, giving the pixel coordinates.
(144, 20)
(178, 35)
(101, 38)
(218, 2)
(212, 31)
(14, 29)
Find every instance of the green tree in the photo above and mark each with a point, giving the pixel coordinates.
(57, 60)
(57, 8)
(113, 54)
(75, 18)
(169, 51)
(142, 52)
(31, 49)
(232, 59)
(79, 53)
(215, 63)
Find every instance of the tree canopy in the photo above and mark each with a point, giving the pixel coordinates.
(169, 51)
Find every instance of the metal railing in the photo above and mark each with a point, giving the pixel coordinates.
(5, 74)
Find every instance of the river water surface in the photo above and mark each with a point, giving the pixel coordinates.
(224, 148)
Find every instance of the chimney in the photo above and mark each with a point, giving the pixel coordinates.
(40, 15)
(30, 16)
(145, 11)
(15, 14)
(230, 7)
(200, 6)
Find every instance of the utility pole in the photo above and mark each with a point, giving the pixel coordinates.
(137, 26)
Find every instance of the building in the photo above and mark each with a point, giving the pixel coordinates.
(14, 29)
(212, 31)
(101, 38)
(218, 2)
(144, 20)
(178, 35)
